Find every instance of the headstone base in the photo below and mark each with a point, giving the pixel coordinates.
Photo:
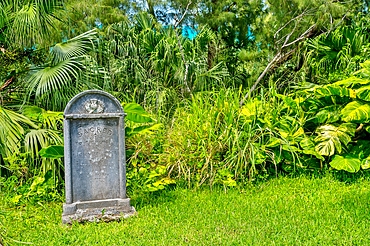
(97, 210)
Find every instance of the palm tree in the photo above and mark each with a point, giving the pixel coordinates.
(156, 64)
(24, 24)
(26, 27)
(69, 71)
(30, 25)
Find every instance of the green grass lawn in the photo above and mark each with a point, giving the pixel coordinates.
(282, 211)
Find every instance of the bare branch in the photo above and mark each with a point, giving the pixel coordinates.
(183, 15)
(290, 21)
(284, 42)
(289, 35)
(344, 16)
(304, 35)
(7, 83)
(182, 49)
(279, 57)
(276, 57)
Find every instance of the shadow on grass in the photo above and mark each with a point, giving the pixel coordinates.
(350, 178)
(153, 199)
(338, 175)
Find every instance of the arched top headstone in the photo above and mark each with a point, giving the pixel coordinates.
(94, 158)
(93, 102)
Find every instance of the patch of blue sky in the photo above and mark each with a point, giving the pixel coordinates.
(189, 32)
(250, 36)
(98, 23)
(167, 16)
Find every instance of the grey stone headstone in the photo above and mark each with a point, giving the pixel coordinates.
(94, 159)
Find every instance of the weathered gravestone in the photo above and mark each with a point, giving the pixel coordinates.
(94, 156)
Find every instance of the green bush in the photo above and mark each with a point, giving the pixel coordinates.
(37, 189)
(213, 140)
(338, 117)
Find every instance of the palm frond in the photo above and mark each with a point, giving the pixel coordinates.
(36, 139)
(12, 130)
(144, 21)
(55, 78)
(338, 50)
(75, 47)
(32, 22)
(5, 13)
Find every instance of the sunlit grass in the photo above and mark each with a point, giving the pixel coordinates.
(283, 211)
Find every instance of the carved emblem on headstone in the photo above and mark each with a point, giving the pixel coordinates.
(94, 106)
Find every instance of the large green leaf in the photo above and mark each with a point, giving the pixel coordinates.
(347, 163)
(330, 138)
(356, 112)
(136, 113)
(314, 153)
(332, 90)
(329, 114)
(289, 101)
(289, 128)
(273, 142)
(308, 147)
(146, 129)
(307, 143)
(345, 130)
(251, 109)
(47, 119)
(363, 93)
(352, 81)
(365, 163)
(328, 147)
(52, 151)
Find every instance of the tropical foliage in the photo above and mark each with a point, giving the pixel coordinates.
(288, 92)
